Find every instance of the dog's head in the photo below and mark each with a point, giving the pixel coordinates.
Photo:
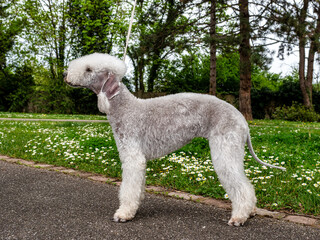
(98, 72)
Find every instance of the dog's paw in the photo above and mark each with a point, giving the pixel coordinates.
(122, 217)
(119, 220)
(237, 222)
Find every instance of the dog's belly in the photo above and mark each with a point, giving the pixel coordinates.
(160, 141)
(162, 148)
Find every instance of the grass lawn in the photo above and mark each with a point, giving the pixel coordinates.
(91, 147)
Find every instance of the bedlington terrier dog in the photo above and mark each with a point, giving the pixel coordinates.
(146, 129)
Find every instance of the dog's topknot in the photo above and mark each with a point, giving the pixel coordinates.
(98, 62)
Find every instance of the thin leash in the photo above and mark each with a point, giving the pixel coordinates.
(129, 30)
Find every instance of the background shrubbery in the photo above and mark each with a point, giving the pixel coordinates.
(296, 112)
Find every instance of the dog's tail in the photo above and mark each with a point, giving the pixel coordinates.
(256, 158)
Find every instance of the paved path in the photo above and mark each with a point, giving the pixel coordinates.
(51, 120)
(41, 204)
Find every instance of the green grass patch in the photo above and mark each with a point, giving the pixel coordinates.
(91, 147)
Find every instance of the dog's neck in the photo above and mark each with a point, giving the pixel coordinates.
(121, 101)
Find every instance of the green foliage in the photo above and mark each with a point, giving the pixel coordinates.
(94, 24)
(270, 91)
(316, 100)
(163, 30)
(296, 112)
(264, 79)
(5, 89)
(228, 73)
(48, 37)
(190, 74)
(290, 90)
(16, 89)
(19, 97)
(10, 26)
(50, 96)
(84, 101)
(262, 102)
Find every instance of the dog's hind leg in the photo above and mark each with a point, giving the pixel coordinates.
(227, 154)
(132, 186)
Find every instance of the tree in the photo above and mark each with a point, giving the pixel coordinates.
(59, 30)
(48, 38)
(95, 25)
(299, 23)
(245, 62)
(162, 29)
(213, 48)
(228, 73)
(190, 74)
(218, 39)
(301, 32)
(314, 37)
(22, 84)
(47, 29)
(235, 35)
(10, 26)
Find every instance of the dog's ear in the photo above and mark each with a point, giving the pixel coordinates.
(107, 83)
(111, 87)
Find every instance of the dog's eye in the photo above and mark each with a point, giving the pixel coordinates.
(88, 69)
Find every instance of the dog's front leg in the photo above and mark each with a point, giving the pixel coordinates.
(132, 186)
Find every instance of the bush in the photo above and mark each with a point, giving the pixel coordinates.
(263, 102)
(296, 112)
(16, 89)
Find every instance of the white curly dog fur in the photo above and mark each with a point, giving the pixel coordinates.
(152, 128)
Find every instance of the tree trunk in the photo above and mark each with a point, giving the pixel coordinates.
(302, 55)
(213, 49)
(152, 76)
(314, 47)
(245, 64)
(140, 73)
(61, 52)
(154, 70)
(309, 78)
(302, 79)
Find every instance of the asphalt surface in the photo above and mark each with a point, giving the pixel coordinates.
(42, 204)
